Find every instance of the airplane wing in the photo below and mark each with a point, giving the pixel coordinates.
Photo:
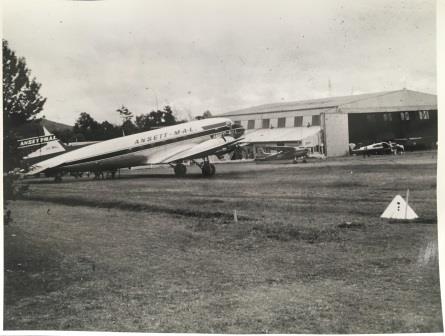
(281, 148)
(215, 146)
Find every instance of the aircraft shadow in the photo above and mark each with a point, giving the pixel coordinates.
(66, 180)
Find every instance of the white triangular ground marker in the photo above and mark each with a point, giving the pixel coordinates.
(399, 209)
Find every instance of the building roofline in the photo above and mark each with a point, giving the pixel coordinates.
(332, 102)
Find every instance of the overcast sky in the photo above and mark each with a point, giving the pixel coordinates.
(217, 55)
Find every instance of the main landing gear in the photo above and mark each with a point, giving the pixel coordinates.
(208, 169)
(180, 170)
(102, 175)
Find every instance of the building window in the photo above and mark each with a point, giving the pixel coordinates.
(424, 115)
(404, 115)
(387, 117)
(316, 120)
(251, 124)
(298, 121)
(281, 122)
(266, 123)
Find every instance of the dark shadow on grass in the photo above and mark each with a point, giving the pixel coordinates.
(417, 221)
(70, 180)
(76, 201)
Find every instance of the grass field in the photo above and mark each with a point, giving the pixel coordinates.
(154, 253)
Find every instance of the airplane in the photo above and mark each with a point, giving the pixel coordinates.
(195, 140)
(379, 148)
(282, 153)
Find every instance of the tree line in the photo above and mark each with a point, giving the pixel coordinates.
(87, 128)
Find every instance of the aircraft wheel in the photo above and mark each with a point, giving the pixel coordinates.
(180, 170)
(208, 169)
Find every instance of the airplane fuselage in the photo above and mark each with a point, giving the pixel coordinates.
(151, 147)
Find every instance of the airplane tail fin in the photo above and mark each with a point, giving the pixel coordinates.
(40, 148)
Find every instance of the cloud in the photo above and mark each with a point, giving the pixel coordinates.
(94, 56)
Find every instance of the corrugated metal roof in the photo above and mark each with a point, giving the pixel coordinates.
(281, 134)
(361, 101)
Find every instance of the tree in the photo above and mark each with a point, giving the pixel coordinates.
(127, 124)
(87, 126)
(205, 115)
(21, 102)
(144, 122)
(109, 131)
(169, 118)
(128, 127)
(66, 135)
(156, 119)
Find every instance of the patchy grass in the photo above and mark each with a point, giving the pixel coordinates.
(159, 254)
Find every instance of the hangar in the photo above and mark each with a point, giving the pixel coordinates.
(329, 125)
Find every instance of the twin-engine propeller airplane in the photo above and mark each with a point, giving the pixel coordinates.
(195, 140)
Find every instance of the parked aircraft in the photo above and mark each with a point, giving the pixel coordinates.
(379, 148)
(281, 153)
(195, 140)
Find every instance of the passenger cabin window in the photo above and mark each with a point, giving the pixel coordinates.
(266, 123)
(316, 120)
(251, 124)
(281, 122)
(298, 121)
(424, 115)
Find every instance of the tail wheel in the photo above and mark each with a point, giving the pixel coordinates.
(208, 169)
(180, 170)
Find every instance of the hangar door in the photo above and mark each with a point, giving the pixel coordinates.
(336, 134)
